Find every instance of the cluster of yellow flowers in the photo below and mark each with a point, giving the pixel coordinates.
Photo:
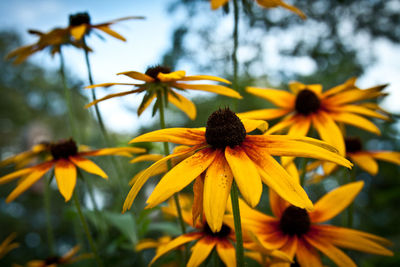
(233, 151)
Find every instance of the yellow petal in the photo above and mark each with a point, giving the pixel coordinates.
(145, 175)
(335, 254)
(65, 173)
(110, 96)
(250, 125)
(276, 177)
(365, 162)
(307, 256)
(301, 126)
(351, 239)
(198, 191)
(172, 76)
(226, 252)
(88, 165)
(356, 121)
(204, 77)
(215, 4)
(274, 3)
(389, 156)
(116, 151)
(329, 131)
(183, 104)
(108, 85)
(282, 125)
(180, 176)
(78, 31)
(213, 88)
(184, 136)
(278, 205)
(147, 157)
(335, 201)
(146, 244)
(280, 98)
(114, 34)
(264, 114)
(200, 251)
(245, 174)
(179, 241)
(14, 175)
(217, 186)
(37, 172)
(137, 76)
(361, 111)
(349, 84)
(286, 145)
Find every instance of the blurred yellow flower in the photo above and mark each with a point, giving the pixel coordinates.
(159, 84)
(223, 151)
(65, 157)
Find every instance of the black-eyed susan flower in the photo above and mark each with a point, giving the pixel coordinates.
(307, 105)
(215, 4)
(159, 83)
(68, 258)
(365, 159)
(223, 151)
(298, 232)
(205, 240)
(7, 245)
(65, 158)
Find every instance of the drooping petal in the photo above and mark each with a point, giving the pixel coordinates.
(88, 165)
(389, 156)
(65, 172)
(111, 96)
(329, 131)
(113, 33)
(264, 114)
(115, 151)
(147, 157)
(360, 110)
(278, 205)
(306, 255)
(179, 241)
(213, 88)
(280, 98)
(183, 104)
(180, 176)
(78, 31)
(149, 172)
(226, 252)
(250, 125)
(14, 175)
(286, 145)
(335, 254)
(204, 77)
(351, 239)
(200, 251)
(301, 126)
(332, 203)
(276, 177)
(183, 136)
(217, 186)
(357, 121)
(108, 85)
(37, 172)
(365, 161)
(172, 76)
(269, 4)
(137, 76)
(245, 174)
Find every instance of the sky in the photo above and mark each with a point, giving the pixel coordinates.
(147, 40)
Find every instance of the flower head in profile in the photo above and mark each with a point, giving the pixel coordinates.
(364, 159)
(68, 258)
(79, 26)
(215, 4)
(7, 245)
(163, 84)
(65, 158)
(298, 232)
(307, 105)
(224, 151)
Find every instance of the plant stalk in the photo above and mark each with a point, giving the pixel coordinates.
(238, 226)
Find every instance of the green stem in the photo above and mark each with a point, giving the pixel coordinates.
(47, 204)
(235, 48)
(350, 209)
(238, 226)
(87, 231)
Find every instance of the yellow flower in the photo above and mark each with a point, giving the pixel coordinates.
(65, 157)
(79, 26)
(159, 81)
(297, 232)
(223, 151)
(7, 245)
(307, 105)
(66, 259)
(215, 4)
(365, 159)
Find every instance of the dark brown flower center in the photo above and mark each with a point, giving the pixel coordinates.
(353, 144)
(307, 102)
(63, 149)
(295, 221)
(224, 232)
(79, 19)
(52, 260)
(224, 129)
(154, 71)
